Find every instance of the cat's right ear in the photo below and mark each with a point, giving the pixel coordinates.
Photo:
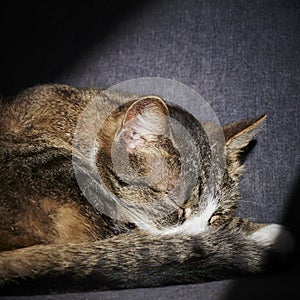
(145, 120)
(239, 134)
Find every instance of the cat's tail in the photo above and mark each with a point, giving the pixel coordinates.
(138, 259)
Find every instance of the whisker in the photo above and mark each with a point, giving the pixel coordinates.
(253, 202)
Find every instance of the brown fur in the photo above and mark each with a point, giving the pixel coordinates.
(55, 230)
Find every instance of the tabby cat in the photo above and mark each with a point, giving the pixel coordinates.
(49, 230)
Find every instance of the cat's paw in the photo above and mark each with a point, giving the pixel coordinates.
(276, 238)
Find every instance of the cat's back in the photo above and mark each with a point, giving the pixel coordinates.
(39, 198)
(51, 109)
(35, 134)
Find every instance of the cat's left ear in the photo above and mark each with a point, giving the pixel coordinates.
(146, 119)
(239, 134)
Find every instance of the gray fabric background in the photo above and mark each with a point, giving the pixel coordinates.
(241, 56)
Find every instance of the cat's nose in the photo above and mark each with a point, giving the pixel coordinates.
(183, 214)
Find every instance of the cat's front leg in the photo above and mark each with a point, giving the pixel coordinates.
(273, 237)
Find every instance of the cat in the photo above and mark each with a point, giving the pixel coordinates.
(173, 228)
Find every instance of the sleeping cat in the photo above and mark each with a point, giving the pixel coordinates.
(172, 227)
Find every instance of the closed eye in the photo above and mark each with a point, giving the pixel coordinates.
(214, 218)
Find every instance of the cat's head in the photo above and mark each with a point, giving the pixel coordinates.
(157, 158)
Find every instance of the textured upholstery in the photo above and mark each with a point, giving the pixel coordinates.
(241, 56)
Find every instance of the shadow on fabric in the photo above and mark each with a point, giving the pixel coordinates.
(284, 283)
(43, 39)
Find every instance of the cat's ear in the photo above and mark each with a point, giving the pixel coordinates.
(146, 119)
(239, 134)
